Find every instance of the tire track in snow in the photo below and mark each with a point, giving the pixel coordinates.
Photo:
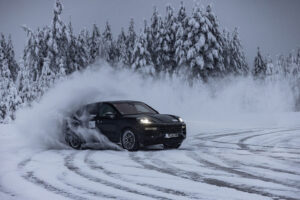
(265, 146)
(213, 137)
(243, 174)
(69, 164)
(241, 143)
(85, 190)
(93, 192)
(6, 193)
(92, 165)
(193, 176)
(30, 177)
(291, 184)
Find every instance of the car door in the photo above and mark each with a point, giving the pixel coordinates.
(107, 121)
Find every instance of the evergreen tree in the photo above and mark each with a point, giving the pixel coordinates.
(12, 63)
(72, 53)
(45, 80)
(141, 55)
(297, 63)
(181, 16)
(58, 41)
(95, 43)
(154, 39)
(259, 66)
(213, 49)
(227, 52)
(25, 87)
(270, 69)
(130, 43)
(109, 49)
(9, 98)
(292, 62)
(181, 37)
(30, 56)
(195, 43)
(82, 52)
(237, 56)
(298, 57)
(169, 39)
(121, 47)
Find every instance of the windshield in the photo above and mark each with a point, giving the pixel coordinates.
(131, 108)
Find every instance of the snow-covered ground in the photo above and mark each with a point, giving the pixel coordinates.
(237, 146)
(251, 163)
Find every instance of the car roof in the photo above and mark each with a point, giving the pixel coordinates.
(112, 102)
(122, 101)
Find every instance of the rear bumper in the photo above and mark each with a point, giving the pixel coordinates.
(156, 133)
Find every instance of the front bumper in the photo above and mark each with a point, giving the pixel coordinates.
(158, 133)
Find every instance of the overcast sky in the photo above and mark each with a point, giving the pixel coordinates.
(274, 25)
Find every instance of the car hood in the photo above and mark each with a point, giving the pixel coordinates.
(157, 118)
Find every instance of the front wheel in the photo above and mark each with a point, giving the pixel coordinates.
(172, 145)
(130, 141)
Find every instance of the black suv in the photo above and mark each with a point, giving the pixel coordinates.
(130, 123)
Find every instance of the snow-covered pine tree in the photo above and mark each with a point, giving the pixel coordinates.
(195, 43)
(260, 67)
(72, 52)
(154, 39)
(181, 37)
(82, 50)
(30, 55)
(9, 97)
(297, 62)
(292, 62)
(12, 63)
(130, 43)
(181, 16)
(58, 42)
(169, 39)
(288, 66)
(270, 69)
(45, 80)
(298, 57)
(237, 62)
(109, 50)
(95, 43)
(282, 65)
(29, 71)
(226, 52)
(25, 86)
(121, 47)
(214, 64)
(141, 56)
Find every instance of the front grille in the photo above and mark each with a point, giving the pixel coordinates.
(171, 129)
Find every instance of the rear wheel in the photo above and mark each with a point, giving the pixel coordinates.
(130, 140)
(74, 141)
(172, 145)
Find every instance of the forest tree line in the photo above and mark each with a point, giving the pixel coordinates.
(194, 43)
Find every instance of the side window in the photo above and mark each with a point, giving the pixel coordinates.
(92, 109)
(106, 108)
(141, 108)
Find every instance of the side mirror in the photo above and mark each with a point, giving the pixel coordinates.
(110, 115)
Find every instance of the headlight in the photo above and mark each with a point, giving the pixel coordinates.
(145, 121)
(180, 119)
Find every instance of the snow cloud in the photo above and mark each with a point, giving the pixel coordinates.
(219, 101)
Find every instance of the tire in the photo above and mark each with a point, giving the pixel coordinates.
(74, 141)
(172, 145)
(129, 140)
